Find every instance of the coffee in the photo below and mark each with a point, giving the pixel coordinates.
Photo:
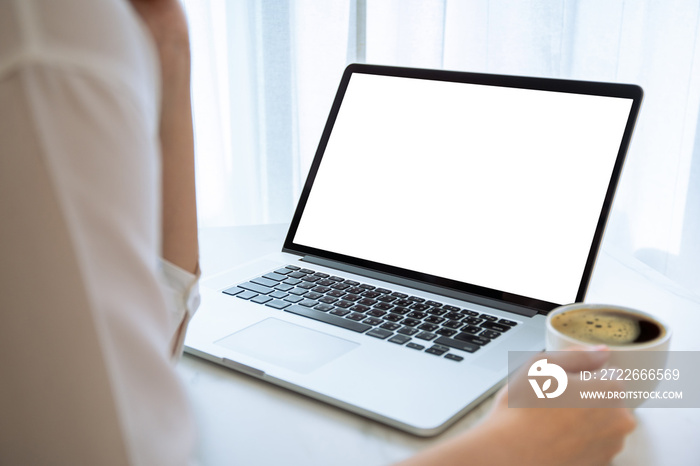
(607, 326)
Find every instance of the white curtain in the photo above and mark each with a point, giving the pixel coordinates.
(265, 73)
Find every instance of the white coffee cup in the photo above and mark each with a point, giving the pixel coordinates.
(624, 354)
(557, 340)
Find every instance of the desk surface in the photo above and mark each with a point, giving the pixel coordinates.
(243, 420)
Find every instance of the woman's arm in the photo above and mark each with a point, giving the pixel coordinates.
(168, 26)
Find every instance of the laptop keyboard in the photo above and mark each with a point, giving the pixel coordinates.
(399, 318)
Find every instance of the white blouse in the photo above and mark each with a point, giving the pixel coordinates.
(90, 318)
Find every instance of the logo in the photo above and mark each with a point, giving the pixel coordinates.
(542, 368)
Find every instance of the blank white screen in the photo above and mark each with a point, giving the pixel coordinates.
(493, 186)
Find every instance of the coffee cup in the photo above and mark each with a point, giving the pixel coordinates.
(620, 328)
(625, 331)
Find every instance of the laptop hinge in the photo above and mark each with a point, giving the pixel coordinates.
(430, 288)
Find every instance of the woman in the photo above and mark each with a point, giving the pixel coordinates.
(99, 251)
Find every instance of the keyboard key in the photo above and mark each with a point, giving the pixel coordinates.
(454, 324)
(433, 303)
(293, 298)
(292, 281)
(372, 321)
(399, 294)
(417, 314)
(335, 279)
(376, 313)
(426, 336)
(311, 278)
(284, 271)
(335, 293)
(416, 299)
(291, 267)
(359, 308)
(408, 331)
(469, 313)
(403, 302)
(344, 304)
(410, 322)
(367, 287)
(496, 326)
(379, 333)
(278, 294)
(296, 275)
(457, 344)
(247, 294)
(434, 319)
(308, 303)
(399, 339)
(323, 307)
(322, 275)
(382, 290)
(453, 357)
(437, 350)
(390, 326)
(264, 282)
(428, 327)
(472, 339)
(260, 289)
(400, 310)
(261, 299)
(306, 271)
(328, 318)
(306, 285)
(340, 312)
(367, 302)
(490, 334)
(328, 299)
(278, 304)
(436, 311)
(415, 346)
(298, 291)
(340, 286)
(275, 276)
(284, 287)
(449, 308)
(446, 332)
(352, 282)
(488, 317)
(312, 295)
(454, 315)
(383, 306)
(356, 316)
(371, 294)
(321, 289)
(471, 329)
(233, 291)
(393, 317)
(507, 322)
(473, 320)
(419, 307)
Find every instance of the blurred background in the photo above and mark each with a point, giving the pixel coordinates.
(265, 74)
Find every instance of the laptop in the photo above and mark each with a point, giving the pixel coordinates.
(444, 215)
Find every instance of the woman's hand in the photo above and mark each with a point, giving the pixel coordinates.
(541, 436)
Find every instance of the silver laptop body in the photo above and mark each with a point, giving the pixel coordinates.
(444, 215)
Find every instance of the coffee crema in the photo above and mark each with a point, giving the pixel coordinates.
(607, 326)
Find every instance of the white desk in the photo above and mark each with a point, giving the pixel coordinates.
(249, 422)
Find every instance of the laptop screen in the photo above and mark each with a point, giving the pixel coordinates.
(493, 186)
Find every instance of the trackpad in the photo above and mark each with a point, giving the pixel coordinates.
(287, 345)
